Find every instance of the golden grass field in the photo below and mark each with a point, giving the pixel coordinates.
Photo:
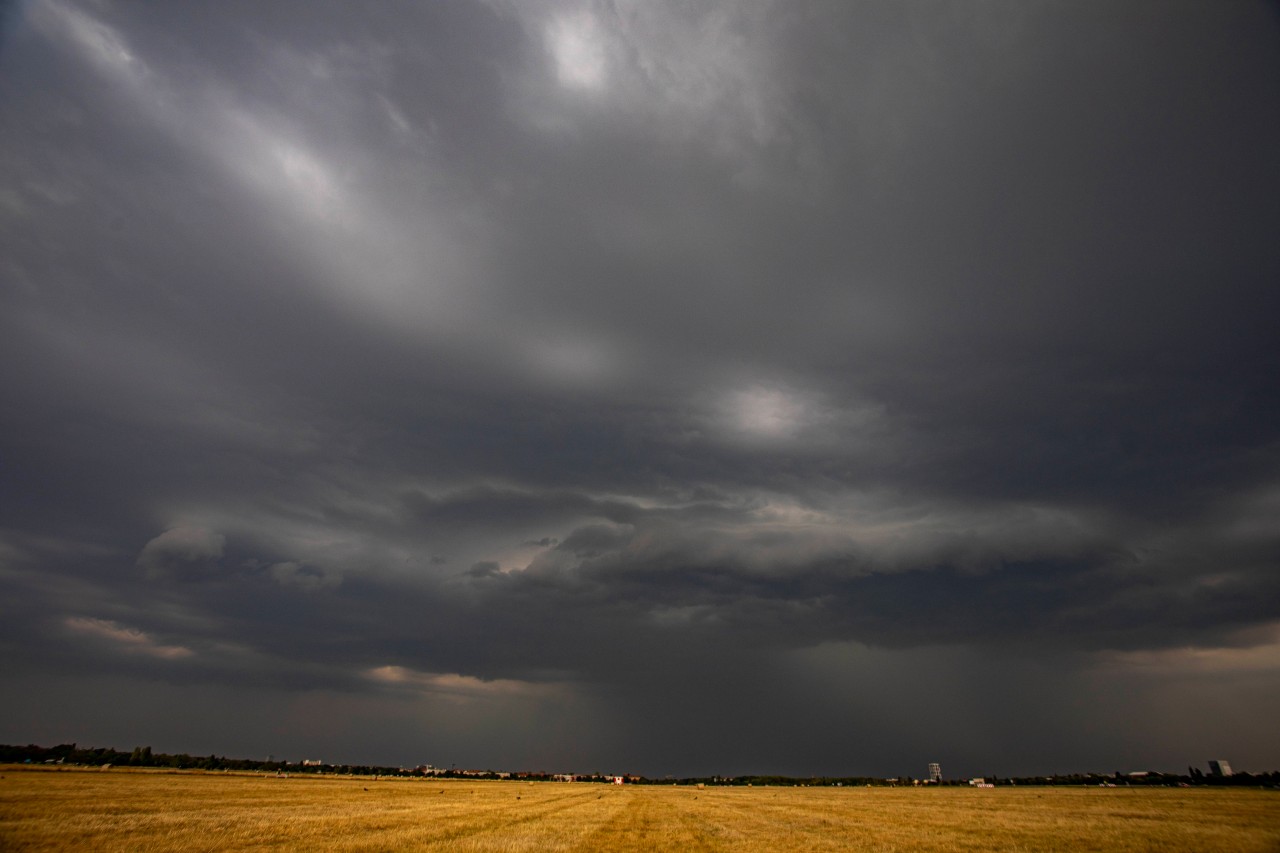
(81, 809)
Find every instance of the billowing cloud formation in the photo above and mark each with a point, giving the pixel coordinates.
(181, 549)
(796, 387)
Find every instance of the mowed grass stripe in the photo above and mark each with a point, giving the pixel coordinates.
(649, 820)
(737, 819)
(538, 820)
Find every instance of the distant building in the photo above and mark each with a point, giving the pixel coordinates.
(935, 772)
(312, 762)
(1219, 767)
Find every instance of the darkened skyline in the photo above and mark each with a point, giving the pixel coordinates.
(802, 388)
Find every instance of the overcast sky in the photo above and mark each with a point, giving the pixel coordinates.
(653, 387)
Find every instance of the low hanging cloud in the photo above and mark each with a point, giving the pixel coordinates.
(455, 686)
(186, 552)
(124, 639)
(293, 574)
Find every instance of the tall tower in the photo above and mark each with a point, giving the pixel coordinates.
(935, 772)
(1219, 767)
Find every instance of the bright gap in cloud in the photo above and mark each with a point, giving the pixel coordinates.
(765, 413)
(578, 48)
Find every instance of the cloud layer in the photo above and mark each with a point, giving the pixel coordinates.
(736, 387)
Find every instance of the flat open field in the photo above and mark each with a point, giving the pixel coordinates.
(140, 810)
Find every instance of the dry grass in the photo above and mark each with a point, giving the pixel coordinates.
(140, 811)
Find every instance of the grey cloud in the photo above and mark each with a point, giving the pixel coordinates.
(484, 569)
(305, 577)
(182, 550)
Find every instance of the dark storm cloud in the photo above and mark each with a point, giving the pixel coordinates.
(495, 365)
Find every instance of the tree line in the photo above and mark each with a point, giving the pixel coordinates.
(143, 756)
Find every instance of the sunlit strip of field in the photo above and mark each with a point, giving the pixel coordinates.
(139, 811)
